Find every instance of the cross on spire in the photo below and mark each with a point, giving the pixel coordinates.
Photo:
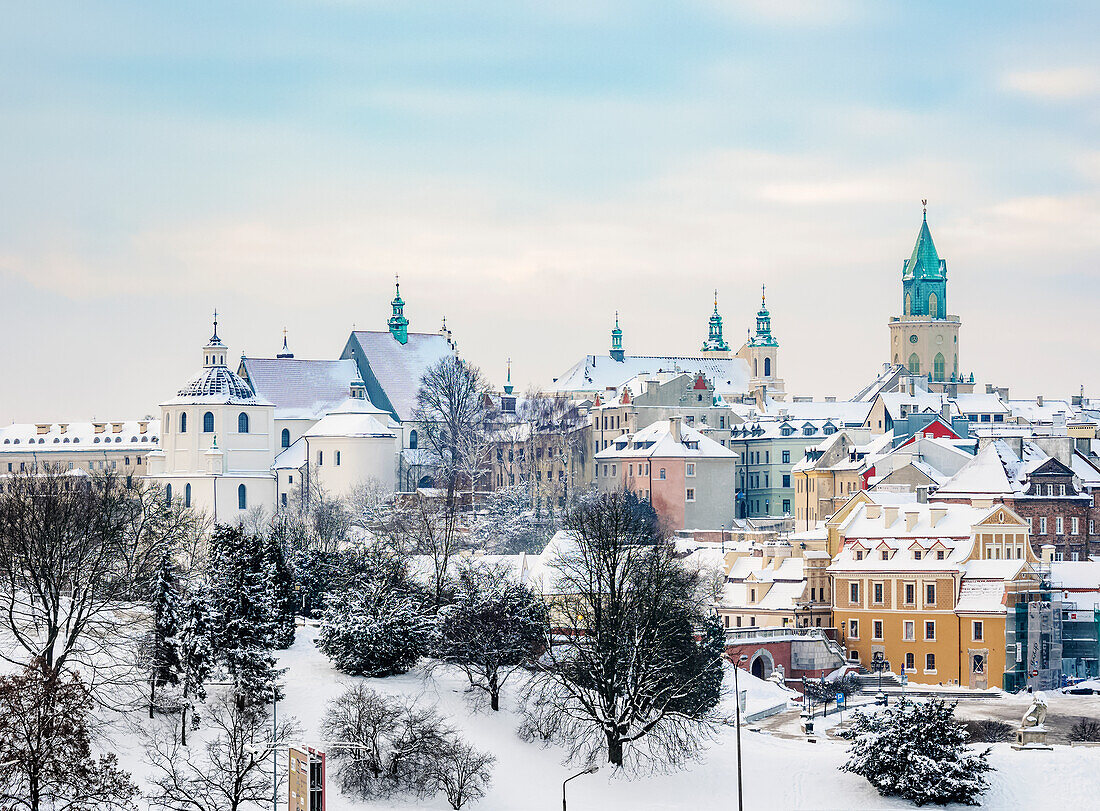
(924, 204)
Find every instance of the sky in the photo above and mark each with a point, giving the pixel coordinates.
(528, 169)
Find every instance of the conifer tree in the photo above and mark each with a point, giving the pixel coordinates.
(280, 585)
(243, 633)
(164, 654)
(196, 657)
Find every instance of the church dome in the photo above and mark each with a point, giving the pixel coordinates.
(217, 383)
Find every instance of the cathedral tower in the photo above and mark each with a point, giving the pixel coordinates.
(761, 353)
(399, 325)
(715, 344)
(924, 338)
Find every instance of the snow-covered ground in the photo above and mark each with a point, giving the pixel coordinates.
(779, 773)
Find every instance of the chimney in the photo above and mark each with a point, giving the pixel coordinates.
(910, 520)
(43, 427)
(912, 386)
(63, 427)
(830, 398)
(100, 427)
(937, 514)
(674, 428)
(1046, 553)
(891, 515)
(945, 411)
(874, 511)
(143, 426)
(922, 495)
(116, 427)
(1039, 400)
(651, 387)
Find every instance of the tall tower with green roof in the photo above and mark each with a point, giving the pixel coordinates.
(617, 341)
(399, 325)
(761, 353)
(714, 342)
(925, 338)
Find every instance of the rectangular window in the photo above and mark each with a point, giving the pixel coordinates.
(909, 630)
(930, 663)
(786, 506)
(917, 554)
(876, 629)
(930, 594)
(691, 494)
(320, 458)
(786, 457)
(930, 630)
(1059, 525)
(885, 554)
(1042, 525)
(1074, 527)
(910, 661)
(786, 479)
(767, 457)
(878, 592)
(689, 469)
(939, 555)
(859, 554)
(337, 458)
(910, 594)
(853, 593)
(979, 631)
(1029, 526)
(853, 629)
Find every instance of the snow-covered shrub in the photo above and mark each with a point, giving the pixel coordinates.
(372, 630)
(917, 751)
(986, 731)
(463, 773)
(1085, 729)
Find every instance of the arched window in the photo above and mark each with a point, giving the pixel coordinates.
(933, 305)
(908, 304)
(286, 437)
(208, 422)
(242, 497)
(337, 457)
(939, 367)
(413, 439)
(914, 364)
(242, 423)
(767, 367)
(183, 422)
(168, 494)
(187, 496)
(755, 368)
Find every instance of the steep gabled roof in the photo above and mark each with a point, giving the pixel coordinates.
(392, 370)
(300, 388)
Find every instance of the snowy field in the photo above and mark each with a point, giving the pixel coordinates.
(779, 773)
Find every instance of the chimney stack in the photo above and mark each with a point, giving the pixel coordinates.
(674, 428)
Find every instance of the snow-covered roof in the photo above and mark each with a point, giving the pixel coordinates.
(933, 520)
(597, 373)
(981, 596)
(77, 436)
(216, 385)
(845, 412)
(982, 476)
(292, 458)
(1032, 411)
(657, 441)
(1083, 574)
(354, 418)
(301, 388)
(394, 370)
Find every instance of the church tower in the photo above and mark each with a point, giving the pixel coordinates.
(715, 345)
(924, 338)
(761, 353)
(617, 341)
(399, 325)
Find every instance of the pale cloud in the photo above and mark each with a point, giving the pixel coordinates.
(788, 12)
(1055, 84)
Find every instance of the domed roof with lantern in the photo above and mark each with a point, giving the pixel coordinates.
(216, 383)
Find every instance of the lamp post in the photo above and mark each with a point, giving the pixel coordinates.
(589, 770)
(879, 664)
(737, 700)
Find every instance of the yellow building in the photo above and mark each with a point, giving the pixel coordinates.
(930, 586)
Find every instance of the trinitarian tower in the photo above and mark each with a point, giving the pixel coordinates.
(924, 338)
(399, 325)
(715, 344)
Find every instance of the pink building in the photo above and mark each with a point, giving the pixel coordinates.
(689, 478)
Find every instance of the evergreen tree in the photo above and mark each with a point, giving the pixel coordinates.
(281, 598)
(372, 630)
(243, 632)
(164, 652)
(196, 657)
(494, 626)
(917, 751)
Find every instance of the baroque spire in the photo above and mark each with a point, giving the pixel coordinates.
(399, 325)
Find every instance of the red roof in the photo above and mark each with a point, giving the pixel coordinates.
(700, 383)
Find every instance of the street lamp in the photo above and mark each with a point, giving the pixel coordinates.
(737, 701)
(879, 664)
(589, 770)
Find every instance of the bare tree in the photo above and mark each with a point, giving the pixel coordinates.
(45, 748)
(455, 417)
(558, 428)
(629, 674)
(463, 773)
(233, 769)
(78, 557)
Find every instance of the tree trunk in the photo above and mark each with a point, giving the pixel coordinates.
(183, 724)
(494, 692)
(614, 749)
(152, 692)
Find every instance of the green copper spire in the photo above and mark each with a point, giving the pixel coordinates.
(617, 341)
(763, 335)
(508, 387)
(399, 325)
(714, 341)
(924, 262)
(924, 277)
